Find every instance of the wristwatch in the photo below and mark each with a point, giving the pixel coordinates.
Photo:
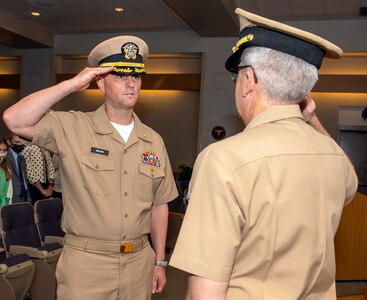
(161, 263)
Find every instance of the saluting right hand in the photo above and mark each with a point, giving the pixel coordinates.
(82, 80)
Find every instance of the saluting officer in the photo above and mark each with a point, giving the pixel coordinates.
(117, 178)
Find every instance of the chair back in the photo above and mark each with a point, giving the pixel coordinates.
(48, 214)
(17, 225)
(177, 205)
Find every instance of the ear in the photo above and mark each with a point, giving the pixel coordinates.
(250, 82)
(100, 83)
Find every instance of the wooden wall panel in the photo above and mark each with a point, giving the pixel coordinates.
(351, 241)
(9, 81)
(178, 82)
(341, 84)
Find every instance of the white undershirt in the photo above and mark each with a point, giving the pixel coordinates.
(124, 130)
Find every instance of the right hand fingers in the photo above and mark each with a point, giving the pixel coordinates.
(86, 76)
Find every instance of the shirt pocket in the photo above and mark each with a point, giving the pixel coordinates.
(150, 177)
(98, 174)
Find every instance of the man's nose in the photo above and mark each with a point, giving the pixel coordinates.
(130, 81)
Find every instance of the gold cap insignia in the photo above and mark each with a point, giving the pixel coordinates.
(130, 50)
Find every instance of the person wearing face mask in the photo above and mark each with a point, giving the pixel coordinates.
(16, 165)
(6, 190)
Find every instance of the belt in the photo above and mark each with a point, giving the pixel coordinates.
(106, 246)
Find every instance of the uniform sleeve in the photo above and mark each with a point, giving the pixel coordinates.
(211, 231)
(352, 182)
(53, 127)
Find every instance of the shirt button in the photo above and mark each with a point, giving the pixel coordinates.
(125, 151)
(126, 215)
(125, 172)
(125, 193)
(124, 237)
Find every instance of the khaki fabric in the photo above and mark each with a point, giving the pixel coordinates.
(264, 208)
(107, 190)
(114, 275)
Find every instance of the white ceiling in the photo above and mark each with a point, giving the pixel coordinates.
(206, 17)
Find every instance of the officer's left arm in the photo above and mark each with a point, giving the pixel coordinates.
(159, 220)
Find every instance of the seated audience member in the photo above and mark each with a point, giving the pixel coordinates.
(5, 175)
(40, 172)
(16, 164)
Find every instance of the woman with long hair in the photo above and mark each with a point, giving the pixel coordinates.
(5, 175)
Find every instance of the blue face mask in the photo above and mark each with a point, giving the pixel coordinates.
(17, 147)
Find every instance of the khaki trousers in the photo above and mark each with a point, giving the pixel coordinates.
(84, 275)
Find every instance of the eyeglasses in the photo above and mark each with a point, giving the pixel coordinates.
(239, 68)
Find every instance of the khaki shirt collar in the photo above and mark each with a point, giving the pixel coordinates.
(275, 113)
(102, 125)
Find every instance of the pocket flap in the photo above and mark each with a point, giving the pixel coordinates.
(151, 171)
(98, 163)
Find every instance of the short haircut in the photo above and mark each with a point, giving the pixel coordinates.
(284, 78)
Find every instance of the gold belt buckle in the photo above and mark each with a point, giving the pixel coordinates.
(126, 248)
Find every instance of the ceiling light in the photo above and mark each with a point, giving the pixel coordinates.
(119, 9)
(35, 13)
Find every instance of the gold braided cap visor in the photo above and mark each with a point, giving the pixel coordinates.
(125, 67)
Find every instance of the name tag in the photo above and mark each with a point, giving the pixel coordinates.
(99, 151)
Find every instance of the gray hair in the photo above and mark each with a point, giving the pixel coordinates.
(283, 78)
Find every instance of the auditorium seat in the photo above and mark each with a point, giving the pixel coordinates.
(16, 275)
(47, 216)
(20, 236)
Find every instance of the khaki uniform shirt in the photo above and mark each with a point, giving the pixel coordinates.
(108, 186)
(264, 208)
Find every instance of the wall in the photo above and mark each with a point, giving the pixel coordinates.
(8, 96)
(216, 98)
(328, 103)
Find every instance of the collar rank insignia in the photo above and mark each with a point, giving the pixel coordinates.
(149, 157)
(130, 50)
